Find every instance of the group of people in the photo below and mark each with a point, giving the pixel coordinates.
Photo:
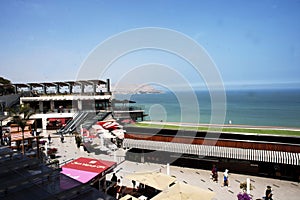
(214, 177)
(62, 138)
(116, 189)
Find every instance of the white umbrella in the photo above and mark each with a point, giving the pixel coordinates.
(129, 197)
(156, 180)
(97, 127)
(183, 191)
(107, 135)
(119, 133)
(102, 131)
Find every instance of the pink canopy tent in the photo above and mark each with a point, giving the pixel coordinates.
(86, 169)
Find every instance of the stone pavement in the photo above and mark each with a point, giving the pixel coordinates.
(282, 190)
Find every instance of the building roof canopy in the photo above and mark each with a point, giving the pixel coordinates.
(20, 85)
(35, 84)
(98, 82)
(85, 169)
(62, 83)
(49, 84)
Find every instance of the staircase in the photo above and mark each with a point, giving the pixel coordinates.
(84, 118)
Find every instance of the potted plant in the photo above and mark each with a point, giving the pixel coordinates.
(243, 186)
(51, 152)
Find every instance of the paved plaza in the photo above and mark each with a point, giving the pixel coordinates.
(282, 190)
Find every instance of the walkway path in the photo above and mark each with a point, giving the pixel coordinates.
(283, 190)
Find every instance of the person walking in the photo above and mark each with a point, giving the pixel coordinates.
(119, 189)
(133, 184)
(78, 140)
(269, 193)
(62, 138)
(114, 178)
(225, 177)
(49, 138)
(214, 172)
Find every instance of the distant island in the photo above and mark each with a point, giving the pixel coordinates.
(135, 89)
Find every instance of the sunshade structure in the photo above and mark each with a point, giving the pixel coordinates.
(86, 169)
(129, 197)
(155, 180)
(16, 132)
(18, 136)
(182, 191)
(280, 157)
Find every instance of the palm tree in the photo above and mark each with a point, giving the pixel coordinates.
(20, 117)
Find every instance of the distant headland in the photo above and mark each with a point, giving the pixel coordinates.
(135, 89)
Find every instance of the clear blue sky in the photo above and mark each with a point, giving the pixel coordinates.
(251, 42)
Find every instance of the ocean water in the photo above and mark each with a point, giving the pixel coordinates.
(274, 107)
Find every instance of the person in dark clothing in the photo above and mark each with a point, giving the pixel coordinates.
(133, 184)
(78, 140)
(49, 138)
(119, 189)
(269, 193)
(62, 138)
(114, 178)
(214, 172)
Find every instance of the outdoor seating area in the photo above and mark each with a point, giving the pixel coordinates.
(156, 185)
(18, 140)
(182, 190)
(27, 178)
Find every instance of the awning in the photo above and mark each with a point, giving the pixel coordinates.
(18, 136)
(30, 121)
(156, 180)
(129, 197)
(279, 157)
(184, 192)
(85, 169)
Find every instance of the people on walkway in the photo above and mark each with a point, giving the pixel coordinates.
(49, 138)
(62, 138)
(225, 177)
(78, 140)
(269, 193)
(133, 185)
(119, 189)
(214, 172)
(114, 178)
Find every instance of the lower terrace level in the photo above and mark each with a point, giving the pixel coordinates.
(276, 164)
(56, 120)
(256, 168)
